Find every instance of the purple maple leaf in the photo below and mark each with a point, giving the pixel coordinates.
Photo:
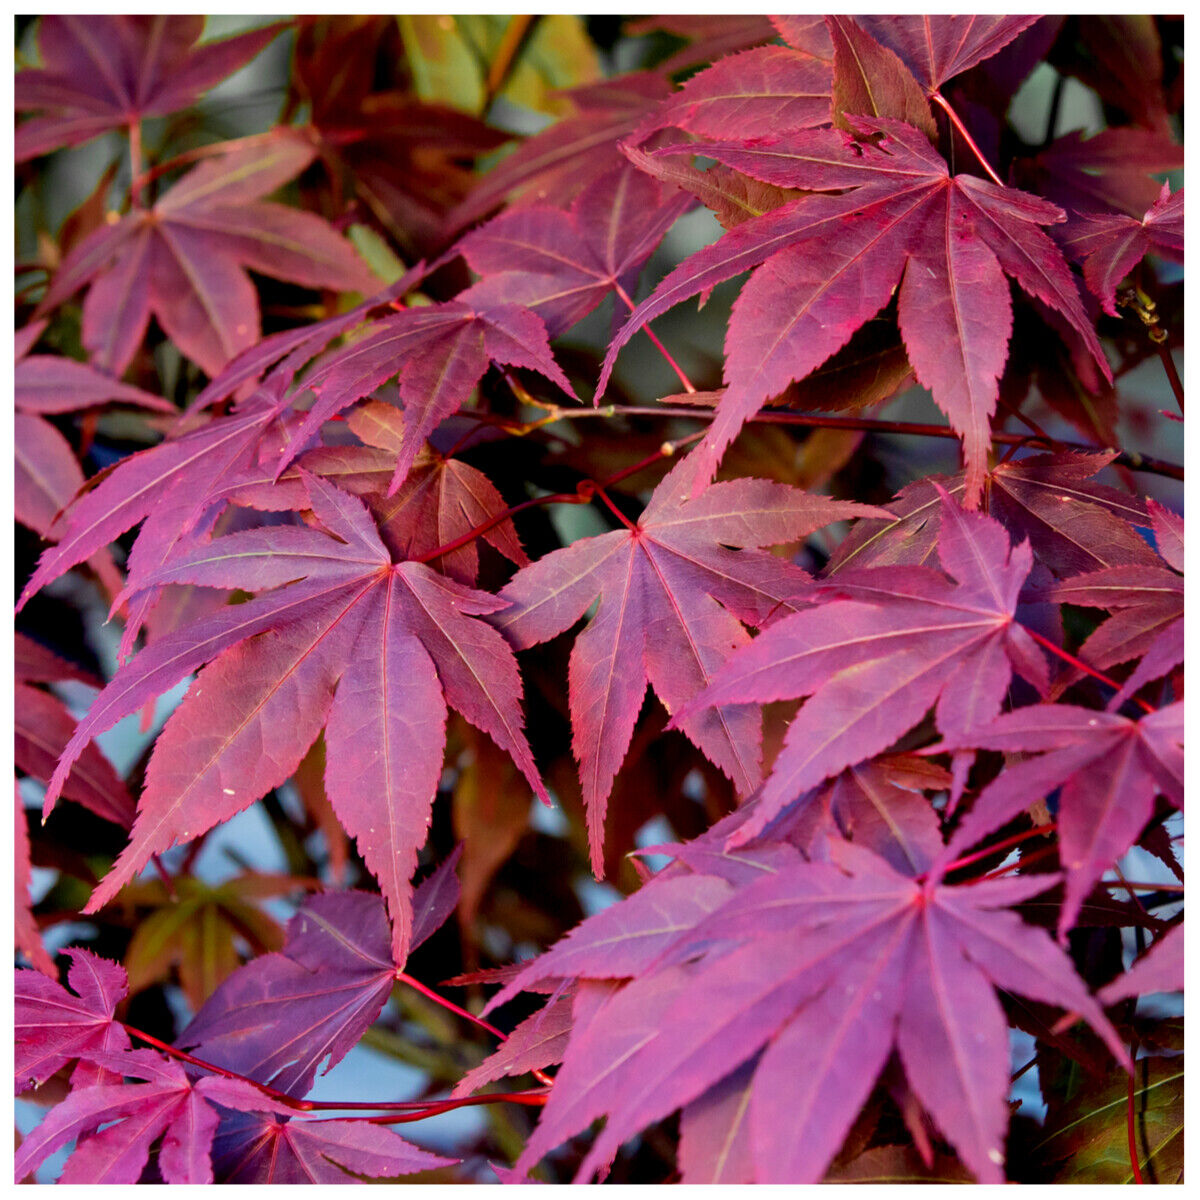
(255, 710)
(1109, 767)
(185, 259)
(830, 262)
(888, 645)
(826, 968)
(104, 72)
(673, 599)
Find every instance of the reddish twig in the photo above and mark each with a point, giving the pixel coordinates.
(408, 1110)
(599, 491)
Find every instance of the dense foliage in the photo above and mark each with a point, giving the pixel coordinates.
(373, 463)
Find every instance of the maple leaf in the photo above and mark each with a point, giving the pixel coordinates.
(134, 1116)
(54, 1027)
(1147, 607)
(826, 967)
(49, 383)
(937, 47)
(279, 1017)
(267, 1150)
(562, 263)
(384, 712)
(673, 599)
(538, 1041)
(1110, 245)
(42, 727)
(189, 468)
(185, 259)
(440, 500)
(103, 72)
(767, 85)
(408, 159)
(890, 644)
(900, 220)
(870, 80)
(1110, 769)
(440, 352)
(1112, 169)
(1072, 524)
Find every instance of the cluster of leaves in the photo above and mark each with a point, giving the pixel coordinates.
(914, 727)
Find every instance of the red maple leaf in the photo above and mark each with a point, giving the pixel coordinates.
(830, 262)
(102, 72)
(185, 259)
(1109, 767)
(1110, 245)
(295, 660)
(826, 967)
(888, 645)
(673, 599)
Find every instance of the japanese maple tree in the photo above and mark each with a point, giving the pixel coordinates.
(641, 559)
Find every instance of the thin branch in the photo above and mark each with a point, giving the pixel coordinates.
(407, 1110)
(516, 32)
(1126, 458)
(944, 104)
(1132, 1131)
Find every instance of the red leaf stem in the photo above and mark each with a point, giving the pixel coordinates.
(688, 386)
(988, 851)
(942, 103)
(1081, 665)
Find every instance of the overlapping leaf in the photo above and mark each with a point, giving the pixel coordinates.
(767, 86)
(827, 968)
(673, 599)
(1111, 245)
(938, 47)
(562, 263)
(55, 1027)
(1110, 769)
(890, 644)
(267, 1150)
(440, 353)
(168, 1105)
(565, 157)
(1146, 603)
(104, 72)
(829, 263)
(1073, 524)
(384, 711)
(185, 259)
